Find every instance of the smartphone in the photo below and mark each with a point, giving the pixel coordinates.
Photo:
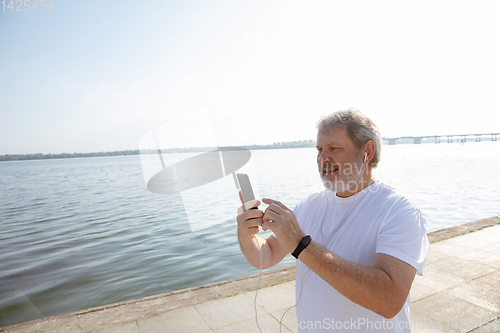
(246, 187)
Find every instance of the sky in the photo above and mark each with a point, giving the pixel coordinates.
(91, 76)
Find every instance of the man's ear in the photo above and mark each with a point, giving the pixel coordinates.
(369, 150)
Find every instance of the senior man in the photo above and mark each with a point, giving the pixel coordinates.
(359, 244)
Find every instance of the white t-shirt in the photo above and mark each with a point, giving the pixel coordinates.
(378, 220)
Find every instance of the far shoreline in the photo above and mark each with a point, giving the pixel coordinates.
(276, 145)
(40, 156)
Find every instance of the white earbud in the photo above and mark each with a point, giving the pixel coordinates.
(366, 155)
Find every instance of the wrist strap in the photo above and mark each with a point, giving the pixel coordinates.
(302, 245)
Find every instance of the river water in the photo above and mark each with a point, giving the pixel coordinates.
(79, 233)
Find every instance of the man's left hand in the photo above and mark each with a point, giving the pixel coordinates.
(282, 221)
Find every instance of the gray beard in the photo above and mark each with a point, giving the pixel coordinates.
(340, 185)
(348, 178)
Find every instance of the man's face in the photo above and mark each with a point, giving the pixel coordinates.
(339, 164)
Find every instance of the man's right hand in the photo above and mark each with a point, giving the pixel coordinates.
(249, 219)
(252, 245)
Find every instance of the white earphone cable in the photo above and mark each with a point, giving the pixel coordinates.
(258, 285)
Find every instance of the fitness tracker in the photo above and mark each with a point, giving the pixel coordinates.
(302, 245)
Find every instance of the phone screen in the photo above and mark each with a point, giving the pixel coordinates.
(246, 187)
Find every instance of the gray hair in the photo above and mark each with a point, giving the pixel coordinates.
(359, 128)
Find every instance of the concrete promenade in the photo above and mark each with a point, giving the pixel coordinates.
(459, 292)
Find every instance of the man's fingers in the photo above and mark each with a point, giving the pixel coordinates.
(270, 216)
(251, 223)
(241, 197)
(276, 202)
(248, 214)
(248, 205)
(276, 209)
(267, 226)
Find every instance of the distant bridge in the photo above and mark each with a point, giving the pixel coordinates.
(450, 138)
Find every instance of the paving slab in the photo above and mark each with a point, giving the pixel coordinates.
(273, 299)
(492, 248)
(183, 320)
(228, 311)
(287, 318)
(448, 250)
(421, 290)
(267, 324)
(130, 327)
(466, 269)
(481, 294)
(492, 326)
(436, 279)
(483, 256)
(493, 279)
(441, 310)
(435, 256)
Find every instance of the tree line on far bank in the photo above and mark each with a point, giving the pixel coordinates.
(39, 156)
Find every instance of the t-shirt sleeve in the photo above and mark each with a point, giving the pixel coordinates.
(403, 236)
